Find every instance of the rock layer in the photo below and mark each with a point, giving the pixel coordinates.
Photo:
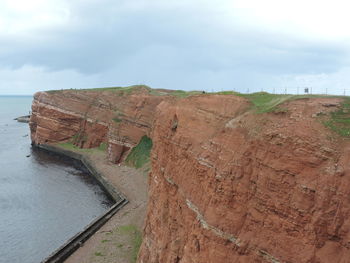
(229, 185)
(89, 118)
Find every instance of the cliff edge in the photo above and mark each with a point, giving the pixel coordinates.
(230, 182)
(230, 185)
(116, 117)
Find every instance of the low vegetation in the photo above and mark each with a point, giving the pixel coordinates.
(135, 239)
(339, 120)
(140, 154)
(130, 89)
(122, 90)
(266, 102)
(117, 120)
(70, 146)
(122, 243)
(175, 93)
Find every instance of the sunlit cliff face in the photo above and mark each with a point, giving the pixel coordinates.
(229, 186)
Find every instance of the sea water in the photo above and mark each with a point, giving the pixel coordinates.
(44, 199)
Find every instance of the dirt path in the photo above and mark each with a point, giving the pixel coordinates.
(119, 239)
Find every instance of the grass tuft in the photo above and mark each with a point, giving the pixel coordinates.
(117, 120)
(136, 239)
(339, 120)
(140, 154)
(70, 146)
(266, 102)
(98, 254)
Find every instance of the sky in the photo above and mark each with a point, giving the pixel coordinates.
(242, 45)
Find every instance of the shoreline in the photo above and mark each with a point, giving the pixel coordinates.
(118, 182)
(88, 164)
(76, 241)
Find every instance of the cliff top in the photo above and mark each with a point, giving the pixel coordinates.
(261, 102)
(134, 89)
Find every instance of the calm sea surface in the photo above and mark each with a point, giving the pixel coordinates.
(44, 200)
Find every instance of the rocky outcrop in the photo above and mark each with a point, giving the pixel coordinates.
(228, 185)
(119, 117)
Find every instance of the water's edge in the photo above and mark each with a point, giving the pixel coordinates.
(77, 240)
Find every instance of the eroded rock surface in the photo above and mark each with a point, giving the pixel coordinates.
(119, 118)
(227, 184)
(233, 186)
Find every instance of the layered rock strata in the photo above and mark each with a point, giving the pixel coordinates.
(88, 118)
(229, 185)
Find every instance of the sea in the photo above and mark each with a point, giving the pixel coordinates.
(44, 199)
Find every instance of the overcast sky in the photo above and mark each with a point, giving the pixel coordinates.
(182, 44)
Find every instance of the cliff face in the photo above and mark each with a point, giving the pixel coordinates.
(89, 118)
(233, 186)
(227, 184)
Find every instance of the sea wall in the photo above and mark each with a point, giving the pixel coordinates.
(71, 245)
(89, 165)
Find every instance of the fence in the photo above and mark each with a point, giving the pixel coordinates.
(296, 90)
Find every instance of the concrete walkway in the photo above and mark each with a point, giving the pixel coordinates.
(118, 239)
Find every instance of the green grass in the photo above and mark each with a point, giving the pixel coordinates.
(98, 254)
(140, 154)
(127, 89)
(122, 90)
(227, 92)
(70, 146)
(175, 93)
(339, 121)
(266, 102)
(263, 101)
(136, 239)
(130, 89)
(102, 147)
(117, 120)
(53, 91)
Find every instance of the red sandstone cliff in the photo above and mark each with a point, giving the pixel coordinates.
(233, 186)
(227, 185)
(118, 117)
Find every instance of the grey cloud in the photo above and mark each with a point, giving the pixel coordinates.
(168, 47)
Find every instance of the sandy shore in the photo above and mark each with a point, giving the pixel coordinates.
(118, 240)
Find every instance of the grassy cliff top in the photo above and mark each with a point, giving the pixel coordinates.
(261, 102)
(134, 89)
(266, 102)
